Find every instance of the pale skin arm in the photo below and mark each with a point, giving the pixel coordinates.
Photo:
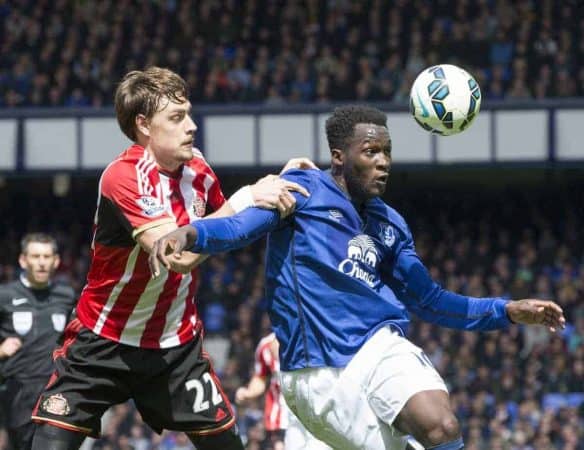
(9, 347)
(255, 388)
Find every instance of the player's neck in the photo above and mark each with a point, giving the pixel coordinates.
(341, 182)
(31, 284)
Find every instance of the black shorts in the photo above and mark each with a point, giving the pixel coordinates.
(174, 389)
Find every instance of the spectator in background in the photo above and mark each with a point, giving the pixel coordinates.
(280, 424)
(33, 313)
(39, 39)
(119, 347)
(31, 202)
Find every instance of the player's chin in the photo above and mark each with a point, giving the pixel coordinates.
(185, 153)
(377, 189)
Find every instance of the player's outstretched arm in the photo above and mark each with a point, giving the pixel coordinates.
(536, 312)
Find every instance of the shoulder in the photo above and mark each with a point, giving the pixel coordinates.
(65, 291)
(10, 290)
(395, 219)
(263, 345)
(132, 169)
(304, 177)
(7, 290)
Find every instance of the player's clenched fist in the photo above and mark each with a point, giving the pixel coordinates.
(9, 347)
(537, 312)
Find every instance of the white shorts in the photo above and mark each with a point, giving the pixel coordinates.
(352, 408)
(299, 438)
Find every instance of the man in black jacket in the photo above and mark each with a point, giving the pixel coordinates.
(33, 313)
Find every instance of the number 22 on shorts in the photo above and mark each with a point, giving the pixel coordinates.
(200, 404)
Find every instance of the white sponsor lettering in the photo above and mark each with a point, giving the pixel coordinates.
(351, 268)
(361, 261)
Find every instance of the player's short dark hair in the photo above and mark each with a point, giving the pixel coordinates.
(43, 238)
(140, 92)
(340, 127)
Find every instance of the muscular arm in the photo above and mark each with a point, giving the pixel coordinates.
(436, 305)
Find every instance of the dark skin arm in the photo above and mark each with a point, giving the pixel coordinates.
(532, 311)
(171, 244)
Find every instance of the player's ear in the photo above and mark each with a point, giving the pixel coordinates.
(337, 157)
(22, 261)
(143, 125)
(56, 262)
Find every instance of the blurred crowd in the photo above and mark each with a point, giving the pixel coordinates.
(521, 389)
(71, 53)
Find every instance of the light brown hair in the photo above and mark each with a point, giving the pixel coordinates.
(42, 238)
(140, 92)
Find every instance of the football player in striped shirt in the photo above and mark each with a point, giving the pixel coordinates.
(280, 423)
(134, 336)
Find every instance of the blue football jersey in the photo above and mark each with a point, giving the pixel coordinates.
(335, 275)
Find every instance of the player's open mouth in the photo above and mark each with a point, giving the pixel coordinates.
(382, 179)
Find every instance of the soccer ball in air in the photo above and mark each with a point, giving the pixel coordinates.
(445, 99)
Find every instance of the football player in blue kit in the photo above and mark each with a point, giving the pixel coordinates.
(343, 275)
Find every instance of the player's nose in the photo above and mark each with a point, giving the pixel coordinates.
(191, 125)
(383, 162)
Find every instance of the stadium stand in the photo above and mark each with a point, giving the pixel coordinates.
(515, 390)
(68, 53)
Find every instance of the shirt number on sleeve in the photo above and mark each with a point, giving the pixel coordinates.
(200, 404)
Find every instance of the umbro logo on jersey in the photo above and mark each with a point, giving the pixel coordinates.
(19, 301)
(335, 214)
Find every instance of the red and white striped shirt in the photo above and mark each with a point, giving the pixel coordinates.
(120, 300)
(267, 364)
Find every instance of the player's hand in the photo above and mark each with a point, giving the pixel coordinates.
(170, 245)
(273, 192)
(299, 163)
(9, 347)
(537, 312)
(241, 395)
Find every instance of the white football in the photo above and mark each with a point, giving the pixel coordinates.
(445, 99)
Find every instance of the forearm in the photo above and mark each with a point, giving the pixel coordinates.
(256, 387)
(189, 260)
(221, 235)
(442, 307)
(452, 310)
